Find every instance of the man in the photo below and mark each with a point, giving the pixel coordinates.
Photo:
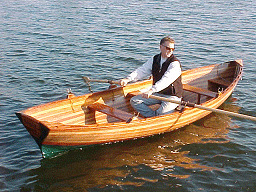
(166, 71)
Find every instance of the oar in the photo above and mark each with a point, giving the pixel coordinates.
(204, 108)
(87, 80)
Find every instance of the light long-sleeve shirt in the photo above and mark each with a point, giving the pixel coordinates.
(171, 74)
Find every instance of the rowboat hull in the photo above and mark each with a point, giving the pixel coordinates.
(70, 123)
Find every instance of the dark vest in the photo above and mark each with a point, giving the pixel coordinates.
(175, 88)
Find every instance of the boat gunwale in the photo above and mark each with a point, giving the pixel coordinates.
(76, 98)
(207, 103)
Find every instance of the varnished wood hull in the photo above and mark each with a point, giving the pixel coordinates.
(69, 122)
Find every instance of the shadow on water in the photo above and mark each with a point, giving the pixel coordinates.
(133, 164)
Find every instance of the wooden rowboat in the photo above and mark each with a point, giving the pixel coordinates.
(107, 116)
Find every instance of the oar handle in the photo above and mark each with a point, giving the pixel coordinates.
(204, 108)
(87, 79)
(242, 116)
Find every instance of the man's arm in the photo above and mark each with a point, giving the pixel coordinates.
(143, 71)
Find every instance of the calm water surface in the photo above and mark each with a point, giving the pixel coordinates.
(47, 46)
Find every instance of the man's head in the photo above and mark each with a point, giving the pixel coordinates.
(167, 46)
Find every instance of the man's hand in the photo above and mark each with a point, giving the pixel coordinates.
(147, 94)
(123, 82)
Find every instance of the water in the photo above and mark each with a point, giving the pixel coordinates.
(47, 46)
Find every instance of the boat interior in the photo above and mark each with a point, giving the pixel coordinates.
(113, 105)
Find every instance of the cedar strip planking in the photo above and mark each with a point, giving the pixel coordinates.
(68, 121)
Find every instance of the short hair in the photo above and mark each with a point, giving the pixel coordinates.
(169, 39)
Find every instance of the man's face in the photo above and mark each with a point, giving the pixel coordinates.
(166, 49)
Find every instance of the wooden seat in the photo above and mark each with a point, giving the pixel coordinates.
(200, 92)
(119, 114)
(219, 81)
(187, 87)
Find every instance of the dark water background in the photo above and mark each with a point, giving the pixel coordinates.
(48, 45)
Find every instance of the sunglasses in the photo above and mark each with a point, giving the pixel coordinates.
(168, 48)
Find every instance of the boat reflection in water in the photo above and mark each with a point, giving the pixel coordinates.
(136, 162)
